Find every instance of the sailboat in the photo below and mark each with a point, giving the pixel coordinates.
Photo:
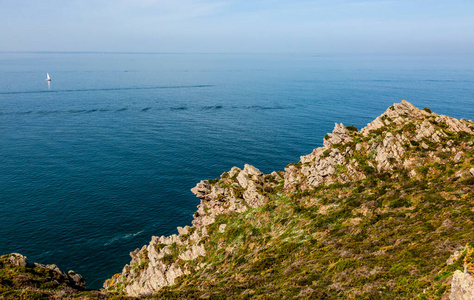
(47, 77)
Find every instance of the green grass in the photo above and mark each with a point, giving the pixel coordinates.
(384, 237)
(286, 246)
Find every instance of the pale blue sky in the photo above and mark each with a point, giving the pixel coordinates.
(301, 26)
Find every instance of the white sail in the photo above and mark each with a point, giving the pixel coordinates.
(47, 77)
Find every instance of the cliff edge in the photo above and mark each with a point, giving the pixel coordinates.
(373, 214)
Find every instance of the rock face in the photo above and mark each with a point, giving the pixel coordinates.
(339, 135)
(347, 155)
(462, 286)
(342, 157)
(167, 258)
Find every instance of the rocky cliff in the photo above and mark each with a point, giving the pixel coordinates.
(388, 140)
(20, 279)
(167, 258)
(373, 214)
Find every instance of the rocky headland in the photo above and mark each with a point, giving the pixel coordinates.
(386, 212)
(20, 279)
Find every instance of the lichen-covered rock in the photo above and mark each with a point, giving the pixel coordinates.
(252, 195)
(339, 135)
(320, 166)
(150, 269)
(456, 254)
(193, 253)
(17, 260)
(235, 192)
(462, 286)
(398, 114)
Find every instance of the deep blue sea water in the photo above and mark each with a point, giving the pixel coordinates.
(94, 164)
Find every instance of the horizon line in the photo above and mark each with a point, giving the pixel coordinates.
(184, 53)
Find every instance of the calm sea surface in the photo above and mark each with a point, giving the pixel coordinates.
(94, 164)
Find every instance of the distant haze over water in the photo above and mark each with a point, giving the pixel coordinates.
(95, 163)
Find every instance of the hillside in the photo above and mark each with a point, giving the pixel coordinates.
(386, 212)
(374, 214)
(22, 280)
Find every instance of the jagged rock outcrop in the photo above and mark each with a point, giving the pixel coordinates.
(238, 190)
(339, 135)
(166, 258)
(381, 145)
(397, 115)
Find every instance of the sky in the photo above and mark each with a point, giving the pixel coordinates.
(245, 26)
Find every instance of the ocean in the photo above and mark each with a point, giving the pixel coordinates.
(104, 156)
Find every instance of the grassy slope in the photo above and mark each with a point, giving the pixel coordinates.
(385, 237)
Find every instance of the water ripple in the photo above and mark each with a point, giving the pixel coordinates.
(122, 237)
(144, 109)
(212, 107)
(107, 89)
(179, 108)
